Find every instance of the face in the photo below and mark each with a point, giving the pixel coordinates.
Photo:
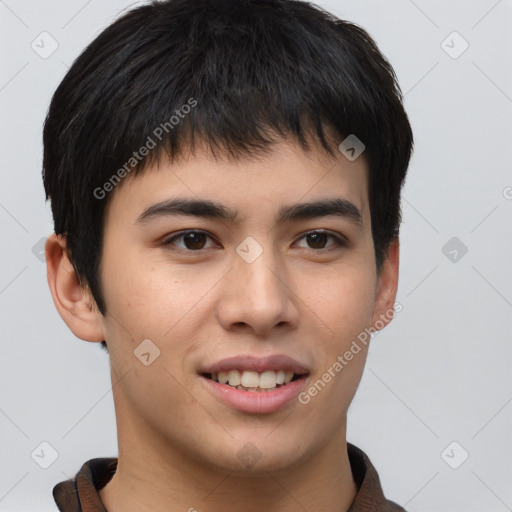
(261, 290)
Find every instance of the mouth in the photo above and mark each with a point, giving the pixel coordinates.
(252, 381)
(255, 385)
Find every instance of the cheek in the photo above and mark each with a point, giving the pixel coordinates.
(152, 296)
(342, 307)
(162, 303)
(342, 301)
(339, 352)
(147, 302)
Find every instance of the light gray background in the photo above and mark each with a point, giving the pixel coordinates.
(441, 372)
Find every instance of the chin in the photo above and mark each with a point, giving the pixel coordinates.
(259, 455)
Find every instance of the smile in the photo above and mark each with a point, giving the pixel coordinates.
(255, 385)
(254, 381)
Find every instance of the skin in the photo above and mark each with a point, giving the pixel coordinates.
(178, 443)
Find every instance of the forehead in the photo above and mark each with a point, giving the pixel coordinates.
(284, 174)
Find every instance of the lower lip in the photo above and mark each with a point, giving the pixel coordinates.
(256, 402)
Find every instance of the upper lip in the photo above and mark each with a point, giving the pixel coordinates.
(257, 364)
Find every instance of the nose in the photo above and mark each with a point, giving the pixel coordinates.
(258, 296)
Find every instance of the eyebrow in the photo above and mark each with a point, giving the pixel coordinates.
(206, 208)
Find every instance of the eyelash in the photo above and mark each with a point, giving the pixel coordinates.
(340, 242)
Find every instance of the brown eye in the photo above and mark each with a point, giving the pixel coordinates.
(194, 241)
(188, 241)
(318, 240)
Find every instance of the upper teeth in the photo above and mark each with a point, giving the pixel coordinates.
(249, 379)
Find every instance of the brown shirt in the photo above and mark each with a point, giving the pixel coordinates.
(81, 493)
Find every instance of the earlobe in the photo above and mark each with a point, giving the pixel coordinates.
(73, 302)
(387, 285)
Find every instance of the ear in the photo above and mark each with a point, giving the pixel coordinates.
(387, 285)
(73, 302)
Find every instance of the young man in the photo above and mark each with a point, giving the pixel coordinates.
(225, 183)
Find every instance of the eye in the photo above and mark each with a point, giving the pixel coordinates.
(192, 241)
(318, 238)
(196, 240)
